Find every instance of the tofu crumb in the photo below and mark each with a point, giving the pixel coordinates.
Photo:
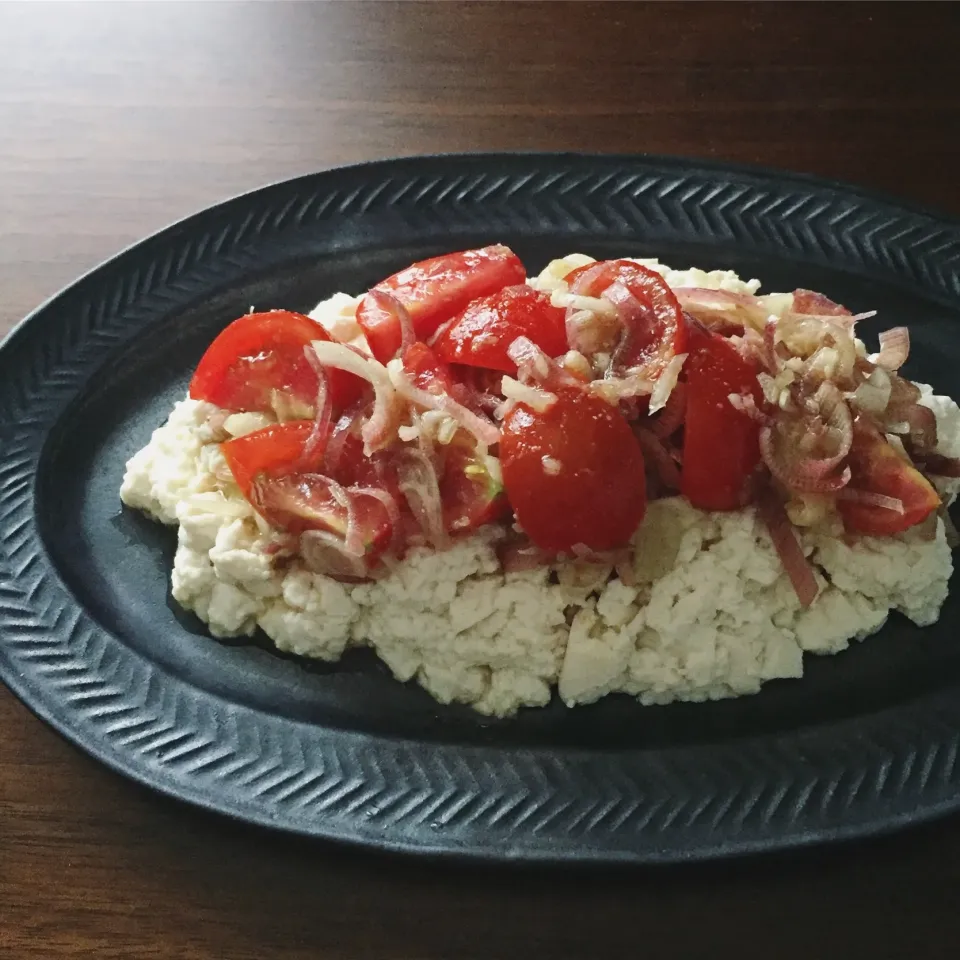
(708, 614)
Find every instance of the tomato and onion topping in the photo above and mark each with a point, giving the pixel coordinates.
(480, 336)
(432, 291)
(574, 473)
(258, 364)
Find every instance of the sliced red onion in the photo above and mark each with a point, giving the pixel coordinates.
(771, 356)
(339, 434)
(816, 304)
(625, 569)
(485, 431)
(352, 540)
(719, 307)
(659, 457)
(323, 412)
(752, 346)
(921, 424)
(872, 499)
(534, 365)
(631, 312)
(617, 389)
(378, 430)
(665, 383)
(420, 485)
(784, 537)
(894, 348)
(534, 397)
(873, 395)
(326, 554)
(673, 413)
(390, 307)
(782, 441)
(389, 504)
(587, 338)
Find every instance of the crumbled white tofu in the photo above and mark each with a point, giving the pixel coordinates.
(709, 613)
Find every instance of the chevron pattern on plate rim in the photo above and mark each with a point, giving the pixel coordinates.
(668, 804)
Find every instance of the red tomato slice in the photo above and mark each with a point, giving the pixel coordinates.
(434, 290)
(721, 445)
(661, 332)
(262, 353)
(574, 474)
(427, 371)
(304, 501)
(877, 468)
(277, 451)
(471, 496)
(273, 451)
(481, 334)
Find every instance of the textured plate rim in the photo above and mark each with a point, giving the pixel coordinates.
(945, 711)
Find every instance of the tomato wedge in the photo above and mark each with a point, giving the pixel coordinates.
(278, 451)
(656, 329)
(272, 451)
(258, 362)
(721, 445)
(574, 474)
(482, 333)
(305, 501)
(876, 468)
(432, 291)
(427, 371)
(286, 490)
(470, 493)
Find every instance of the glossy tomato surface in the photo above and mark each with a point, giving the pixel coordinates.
(260, 356)
(877, 468)
(574, 473)
(433, 291)
(481, 335)
(721, 445)
(656, 330)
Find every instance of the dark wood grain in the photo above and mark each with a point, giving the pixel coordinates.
(117, 119)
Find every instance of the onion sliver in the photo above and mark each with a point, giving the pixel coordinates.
(389, 504)
(656, 452)
(390, 306)
(325, 553)
(784, 537)
(485, 431)
(665, 383)
(323, 411)
(894, 348)
(420, 485)
(536, 399)
(872, 499)
(376, 431)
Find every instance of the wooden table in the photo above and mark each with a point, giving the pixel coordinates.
(117, 119)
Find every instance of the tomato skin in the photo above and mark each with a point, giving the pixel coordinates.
(721, 445)
(876, 467)
(427, 371)
(273, 451)
(434, 290)
(662, 334)
(597, 497)
(303, 501)
(263, 352)
(484, 330)
(288, 491)
(471, 495)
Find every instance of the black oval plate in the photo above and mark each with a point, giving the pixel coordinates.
(90, 640)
